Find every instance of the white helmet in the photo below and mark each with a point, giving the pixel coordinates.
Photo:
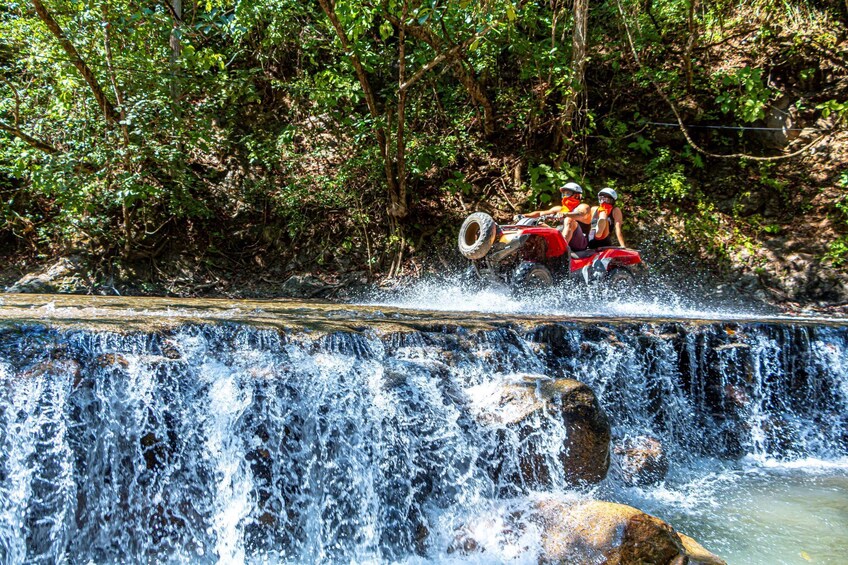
(572, 186)
(608, 192)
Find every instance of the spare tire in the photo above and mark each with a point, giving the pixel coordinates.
(477, 235)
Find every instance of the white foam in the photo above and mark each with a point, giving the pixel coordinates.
(811, 465)
(572, 300)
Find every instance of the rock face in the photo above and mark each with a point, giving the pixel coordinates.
(605, 532)
(66, 275)
(641, 460)
(698, 554)
(584, 454)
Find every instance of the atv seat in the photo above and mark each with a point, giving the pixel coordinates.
(583, 254)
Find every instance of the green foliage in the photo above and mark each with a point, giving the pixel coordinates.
(768, 180)
(704, 227)
(838, 109)
(693, 157)
(545, 182)
(665, 178)
(837, 252)
(642, 144)
(772, 229)
(261, 122)
(457, 184)
(743, 94)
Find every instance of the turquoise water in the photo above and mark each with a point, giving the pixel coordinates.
(761, 515)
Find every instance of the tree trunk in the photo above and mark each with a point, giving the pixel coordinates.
(396, 209)
(107, 46)
(176, 48)
(578, 65)
(690, 44)
(106, 105)
(475, 90)
(401, 111)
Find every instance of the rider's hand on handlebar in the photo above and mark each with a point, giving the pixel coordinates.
(517, 218)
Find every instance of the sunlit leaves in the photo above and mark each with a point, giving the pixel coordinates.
(743, 93)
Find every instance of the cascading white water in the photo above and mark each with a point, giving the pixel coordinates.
(228, 443)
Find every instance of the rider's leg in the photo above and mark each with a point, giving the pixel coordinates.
(577, 241)
(602, 229)
(568, 228)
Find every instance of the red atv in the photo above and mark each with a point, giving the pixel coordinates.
(532, 254)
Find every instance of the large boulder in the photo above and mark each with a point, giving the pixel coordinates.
(641, 460)
(65, 275)
(698, 554)
(605, 532)
(582, 531)
(532, 406)
(594, 531)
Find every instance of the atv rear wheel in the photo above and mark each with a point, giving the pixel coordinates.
(530, 275)
(477, 235)
(620, 279)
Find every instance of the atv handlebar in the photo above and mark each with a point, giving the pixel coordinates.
(541, 217)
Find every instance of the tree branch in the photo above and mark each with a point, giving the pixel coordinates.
(435, 61)
(454, 54)
(28, 139)
(17, 100)
(106, 105)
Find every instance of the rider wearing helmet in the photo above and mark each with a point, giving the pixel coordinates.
(575, 213)
(605, 218)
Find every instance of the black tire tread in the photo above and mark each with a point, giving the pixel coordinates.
(485, 237)
(521, 277)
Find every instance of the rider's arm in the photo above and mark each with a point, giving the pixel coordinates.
(537, 213)
(578, 212)
(619, 219)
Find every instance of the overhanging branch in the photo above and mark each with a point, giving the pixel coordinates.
(28, 139)
(105, 104)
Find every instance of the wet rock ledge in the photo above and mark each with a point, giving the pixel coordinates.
(526, 412)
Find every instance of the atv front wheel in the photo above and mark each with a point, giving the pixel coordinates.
(529, 275)
(477, 235)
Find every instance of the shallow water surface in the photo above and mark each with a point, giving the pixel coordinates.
(759, 516)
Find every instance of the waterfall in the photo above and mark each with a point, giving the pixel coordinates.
(232, 443)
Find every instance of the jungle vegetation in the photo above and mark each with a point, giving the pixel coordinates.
(346, 135)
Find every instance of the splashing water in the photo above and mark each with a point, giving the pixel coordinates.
(646, 299)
